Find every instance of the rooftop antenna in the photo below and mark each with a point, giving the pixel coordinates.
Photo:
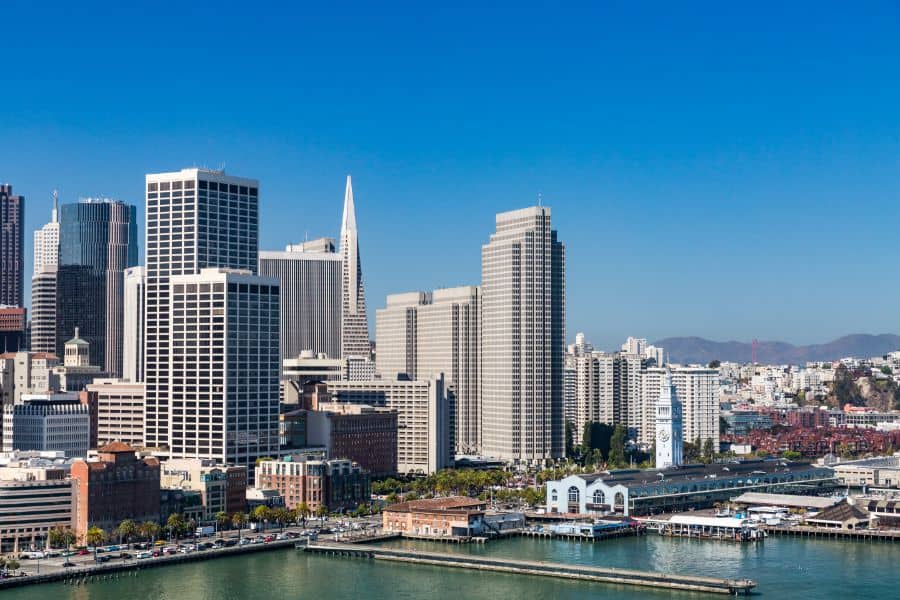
(540, 199)
(55, 213)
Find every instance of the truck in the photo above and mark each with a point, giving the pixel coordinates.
(205, 530)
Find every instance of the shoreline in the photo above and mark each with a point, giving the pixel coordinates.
(89, 573)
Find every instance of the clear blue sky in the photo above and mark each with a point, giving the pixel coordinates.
(713, 170)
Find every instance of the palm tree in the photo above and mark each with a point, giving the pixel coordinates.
(126, 529)
(222, 521)
(60, 537)
(149, 530)
(304, 512)
(239, 520)
(262, 513)
(175, 524)
(281, 516)
(94, 537)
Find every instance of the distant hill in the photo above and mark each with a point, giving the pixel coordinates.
(698, 350)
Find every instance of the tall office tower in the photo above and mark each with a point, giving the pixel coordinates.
(97, 242)
(43, 310)
(448, 341)
(668, 425)
(224, 358)
(12, 247)
(310, 278)
(196, 218)
(523, 338)
(46, 240)
(594, 390)
(395, 334)
(354, 323)
(133, 325)
(627, 409)
(698, 391)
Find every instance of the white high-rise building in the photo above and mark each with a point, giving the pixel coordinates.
(448, 341)
(668, 425)
(634, 346)
(310, 278)
(594, 390)
(43, 310)
(133, 325)
(224, 366)
(46, 240)
(698, 391)
(627, 409)
(424, 334)
(196, 219)
(652, 379)
(354, 322)
(395, 334)
(523, 338)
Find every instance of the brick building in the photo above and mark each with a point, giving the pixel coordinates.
(360, 433)
(113, 487)
(307, 478)
(457, 516)
(13, 322)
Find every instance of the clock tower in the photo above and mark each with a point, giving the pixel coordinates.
(668, 425)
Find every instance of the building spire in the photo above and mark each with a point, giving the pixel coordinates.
(348, 223)
(54, 215)
(354, 325)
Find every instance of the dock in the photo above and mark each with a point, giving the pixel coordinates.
(544, 569)
(862, 535)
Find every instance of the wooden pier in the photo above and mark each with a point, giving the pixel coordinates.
(862, 535)
(544, 569)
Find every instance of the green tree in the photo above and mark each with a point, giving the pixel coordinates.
(322, 511)
(616, 457)
(239, 520)
(60, 537)
(715, 364)
(149, 530)
(887, 370)
(94, 537)
(222, 521)
(709, 451)
(281, 516)
(570, 440)
(261, 514)
(304, 511)
(13, 565)
(791, 455)
(175, 524)
(126, 530)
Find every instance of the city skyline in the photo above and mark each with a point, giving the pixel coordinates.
(684, 158)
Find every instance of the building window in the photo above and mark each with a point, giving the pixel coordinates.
(574, 495)
(599, 497)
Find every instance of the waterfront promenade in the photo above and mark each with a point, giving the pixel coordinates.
(545, 569)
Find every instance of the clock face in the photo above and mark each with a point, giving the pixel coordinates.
(663, 435)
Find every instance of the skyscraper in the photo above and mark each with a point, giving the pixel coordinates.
(43, 310)
(354, 322)
(12, 247)
(46, 240)
(97, 242)
(523, 338)
(425, 334)
(133, 325)
(196, 218)
(310, 278)
(224, 351)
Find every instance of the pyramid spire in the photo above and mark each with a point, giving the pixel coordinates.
(354, 324)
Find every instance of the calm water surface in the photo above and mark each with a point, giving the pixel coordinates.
(783, 568)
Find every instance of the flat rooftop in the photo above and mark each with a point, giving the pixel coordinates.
(685, 473)
(786, 500)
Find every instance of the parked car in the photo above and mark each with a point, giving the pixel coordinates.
(125, 556)
(156, 553)
(269, 538)
(145, 554)
(68, 564)
(230, 543)
(103, 559)
(84, 552)
(245, 541)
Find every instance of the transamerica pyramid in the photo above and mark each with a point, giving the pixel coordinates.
(354, 322)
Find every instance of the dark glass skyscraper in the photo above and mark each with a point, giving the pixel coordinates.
(12, 247)
(97, 242)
